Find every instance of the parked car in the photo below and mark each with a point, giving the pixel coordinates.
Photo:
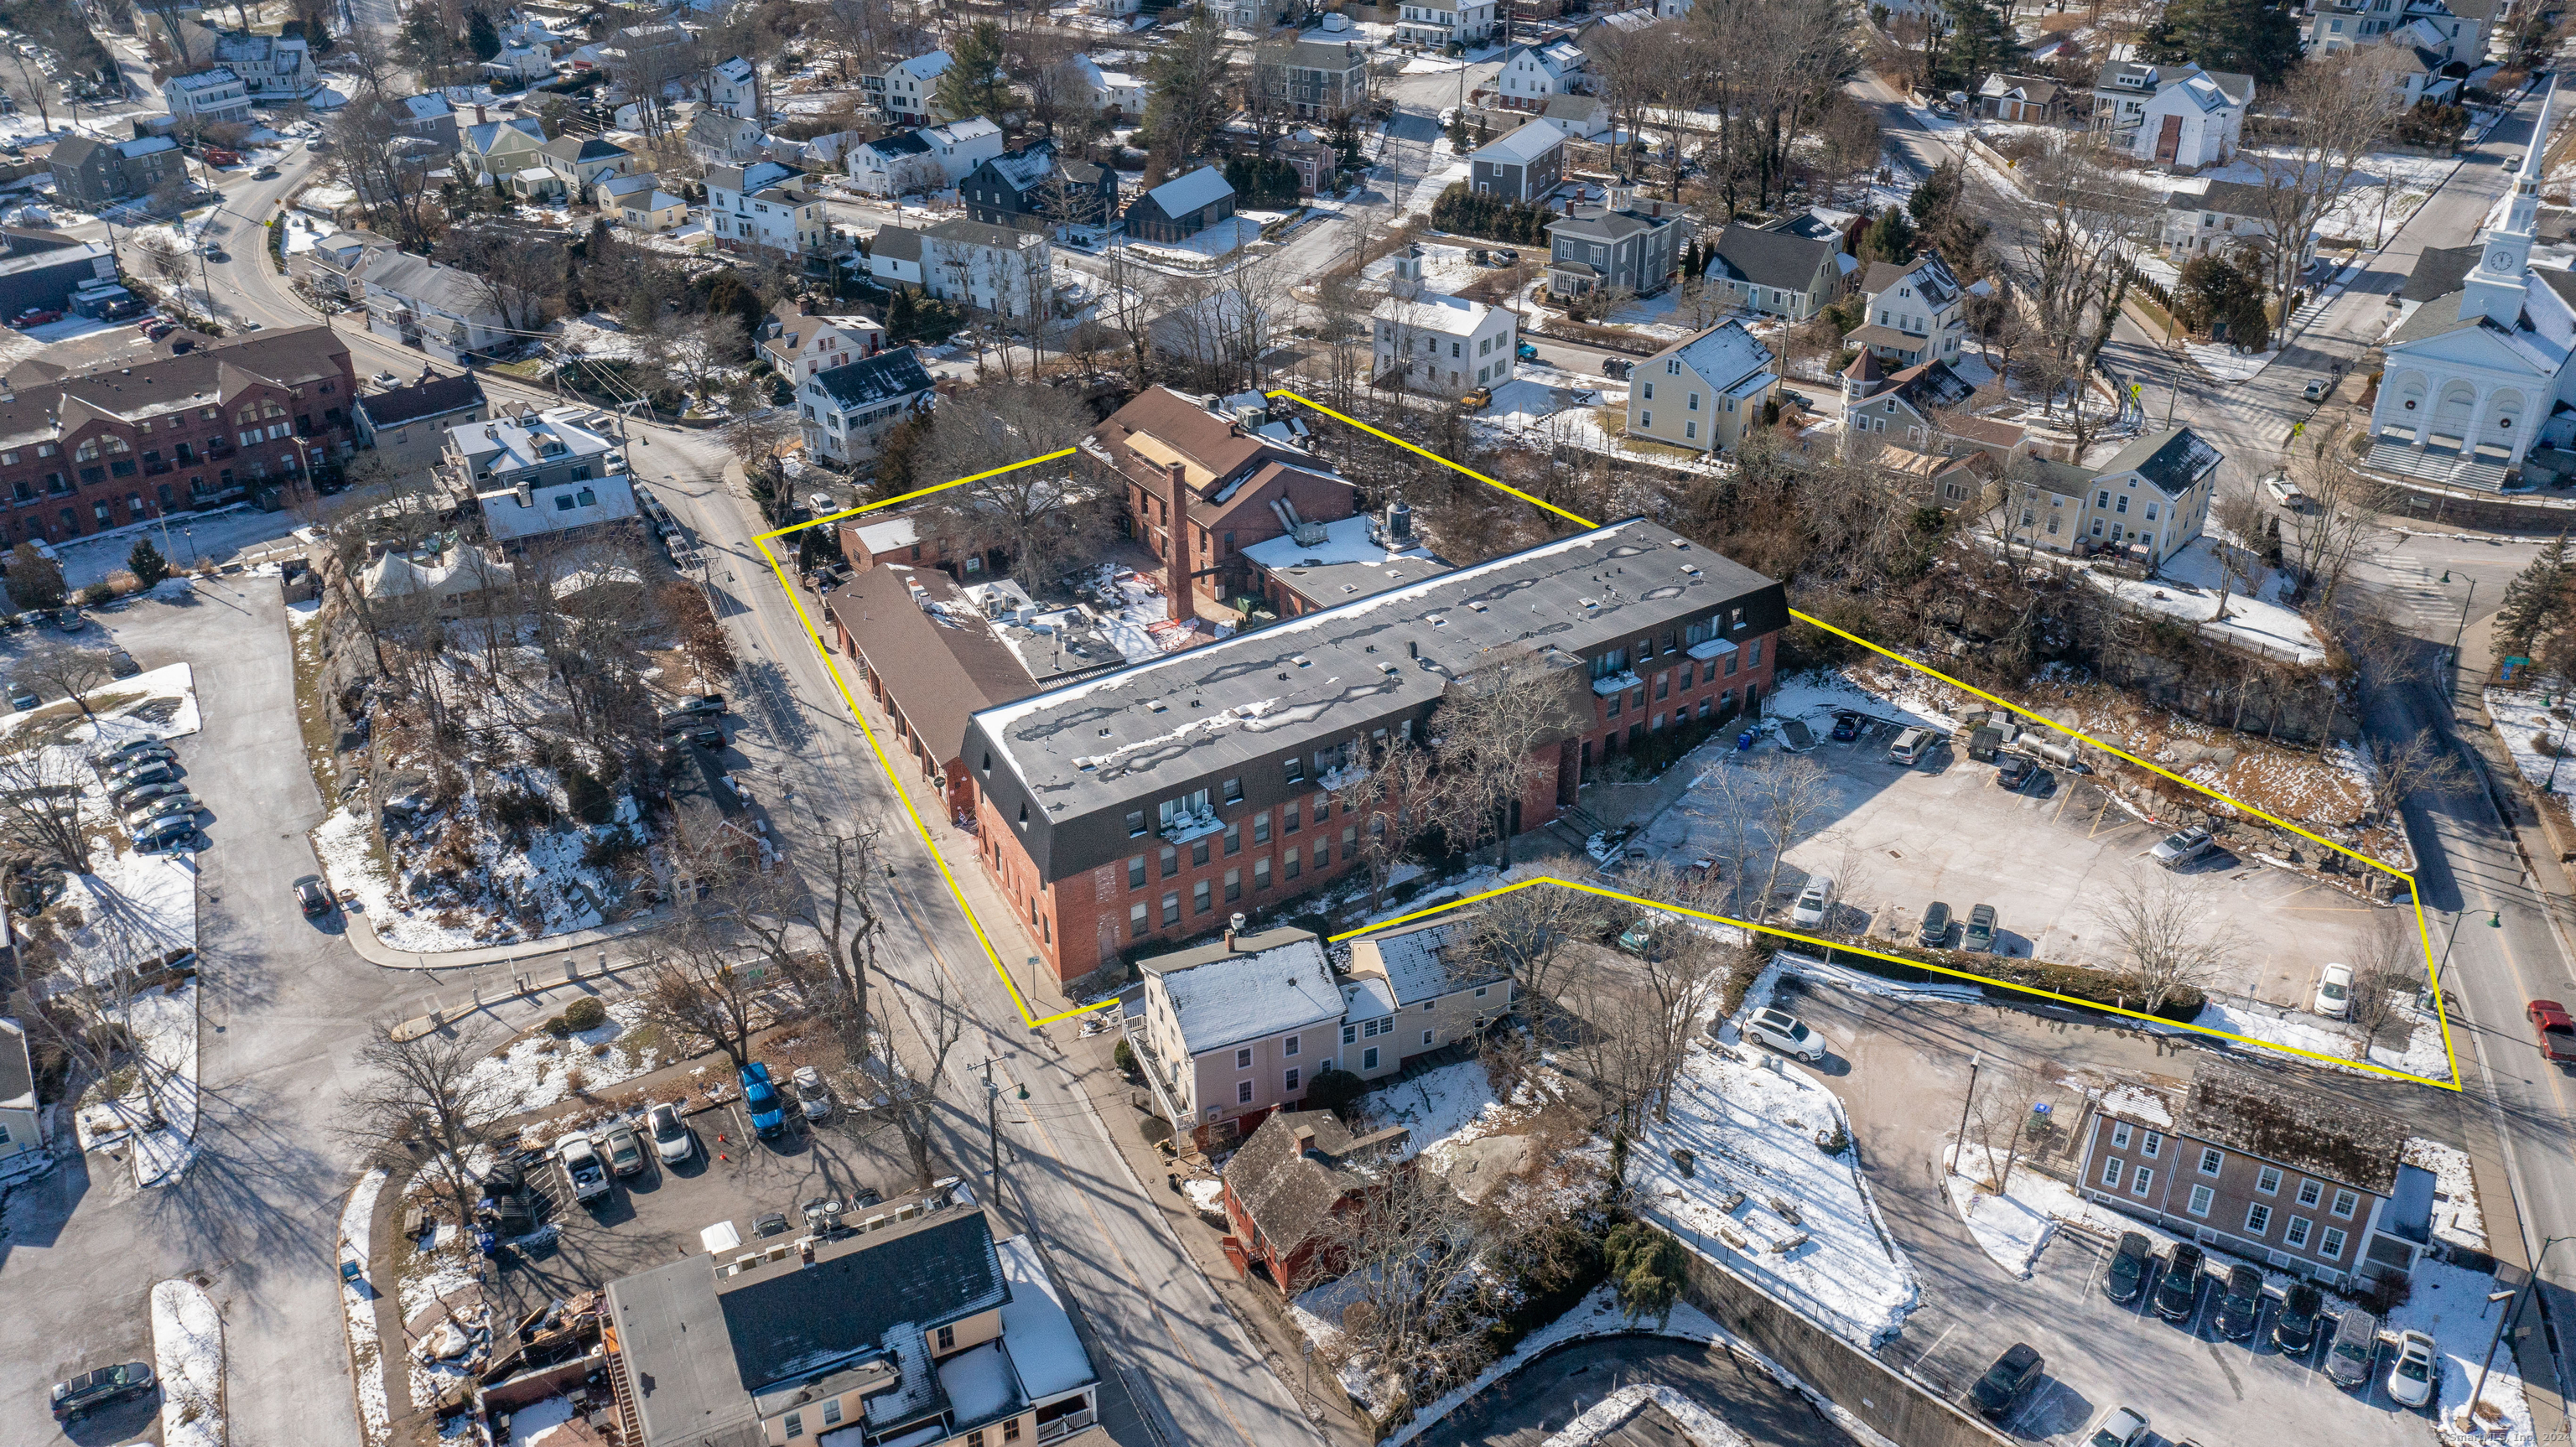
(1640, 937)
(625, 1150)
(144, 756)
(312, 898)
(1785, 1033)
(2556, 1031)
(583, 1170)
(2416, 1372)
(1814, 902)
(2118, 1427)
(1910, 747)
(2334, 991)
(36, 316)
(708, 704)
(128, 798)
(2240, 1307)
(2128, 1269)
(182, 805)
(2006, 1381)
(166, 834)
(2178, 1294)
(2294, 1330)
(2012, 771)
(1847, 727)
(811, 1092)
(157, 771)
(760, 1098)
(1525, 352)
(705, 736)
(1505, 256)
(106, 1386)
(2182, 847)
(132, 747)
(121, 664)
(1616, 368)
(1476, 400)
(671, 1138)
(23, 698)
(2317, 388)
(1979, 937)
(2355, 1350)
(1935, 930)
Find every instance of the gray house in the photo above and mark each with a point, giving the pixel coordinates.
(1778, 273)
(1627, 245)
(91, 174)
(1523, 166)
(430, 117)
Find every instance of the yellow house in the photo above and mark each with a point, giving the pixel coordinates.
(1702, 393)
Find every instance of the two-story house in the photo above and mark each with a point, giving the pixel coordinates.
(2152, 498)
(2025, 98)
(929, 158)
(1443, 344)
(2224, 218)
(580, 163)
(429, 116)
(408, 425)
(1703, 393)
(274, 68)
(1532, 75)
(1314, 74)
(1917, 311)
(997, 269)
(1775, 272)
(450, 314)
(94, 174)
(845, 411)
(1908, 408)
(206, 98)
(765, 206)
(501, 148)
(1033, 189)
(1523, 166)
(732, 87)
(2175, 115)
(717, 139)
(799, 342)
(1180, 208)
(332, 265)
(540, 475)
(1228, 1032)
(640, 204)
(1439, 24)
(905, 1321)
(1416, 989)
(1627, 245)
(2301, 1181)
(1112, 88)
(906, 91)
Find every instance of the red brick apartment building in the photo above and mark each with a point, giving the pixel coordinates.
(1243, 480)
(1149, 803)
(82, 452)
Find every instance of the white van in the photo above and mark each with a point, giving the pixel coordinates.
(1910, 747)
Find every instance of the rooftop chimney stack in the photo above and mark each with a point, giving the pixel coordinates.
(1176, 561)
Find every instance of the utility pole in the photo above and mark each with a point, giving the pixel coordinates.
(992, 1127)
(1958, 1153)
(2458, 634)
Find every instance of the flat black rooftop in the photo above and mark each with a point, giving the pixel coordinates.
(1082, 748)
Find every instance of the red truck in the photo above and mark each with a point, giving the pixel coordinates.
(218, 156)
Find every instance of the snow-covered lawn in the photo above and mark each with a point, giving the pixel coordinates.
(2226, 363)
(2456, 1216)
(1222, 239)
(2187, 586)
(2011, 1227)
(2533, 717)
(188, 1355)
(158, 1117)
(1445, 268)
(202, 537)
(537, 1072)
(358, 1307)
(1805, 1227)
(2450, 1305)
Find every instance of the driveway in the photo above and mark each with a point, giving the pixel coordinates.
(283, 1008)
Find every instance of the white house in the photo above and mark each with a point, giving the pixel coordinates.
(541, 474)
(2174, 115)
(522, 63)
(715, 138)
(1532, 74)
(845, 411)
(799, 342)
(733, 87)
(1702, 393)
(2222, 218)
(1442, 23)
(993, 268)
(765, 205)
(445, 312)
(21, 1122)
(1114, 90)
(272, 67)
(2475, 379)
(1917, 312)
(209, 96)
(894, 256)
(1441, 343)
(903, 90)
(2152, 498)
(933, 158)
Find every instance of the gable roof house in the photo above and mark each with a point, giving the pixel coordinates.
(501, 148)
(1180, 208)
(1917, 312)
(407, 425)
(429, 116)
(765, 205)
(733, 87)
(931, 158)
(2025, 98)
(206, 97)
(1909, 407)
(1626, 244)
(331, 265)
(92, 174)
(719, 138)
(1286, 1186)
(1702, 393)
(1441, 343)
(273, 68)
(1523, 166)
(908, 1323)
(1776, 272)
(2303, 1181)
(2152, 498)
(450, 314)
(846, 410)
(1032, 188)
(2222, 218)
(799, 342)
(996, 269)
(2174, 115)
(906, 91)
(641, 204)
(1532, 75)
(1227, 1032)
(1434, 991)
(1313, 73)
(549, 474)
(894, 256)
(582, 162)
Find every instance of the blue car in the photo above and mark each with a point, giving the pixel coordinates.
(761, 1099)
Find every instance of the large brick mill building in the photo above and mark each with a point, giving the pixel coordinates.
(1148, 804)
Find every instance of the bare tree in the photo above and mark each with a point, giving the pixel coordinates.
(2386, 969)
(2170, 937)
(1491, 723)
(912, 1095)
(1041, 518)
(40, 805)
(2339, 524)
(1393, 796)
(425, 1088)
(73, 672)
(703, 989)
(1404, 1259)
(1996, 1115)
(2402, 768)
(2336, 107)
(1525, 934)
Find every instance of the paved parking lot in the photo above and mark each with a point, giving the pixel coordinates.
(2048, 856)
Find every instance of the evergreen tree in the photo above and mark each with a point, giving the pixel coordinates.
(1648, 1269)
(2251, 37)
(1889, 238)
(146, 563)
(34, 581)
(480, 37)
(2534, 599)
(1981, 42)
(973, 84)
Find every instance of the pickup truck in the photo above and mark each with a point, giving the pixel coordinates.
(583, 1170)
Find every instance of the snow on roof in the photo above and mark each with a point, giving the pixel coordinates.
(888, 535)
(1202, 187)
(1422, 963)
(973, 128)
(1245, 997)
(979, 1382)
(2138, 1103)
(1435, 311)
(1725, 355)
(1035, 1328)
(1522, 146)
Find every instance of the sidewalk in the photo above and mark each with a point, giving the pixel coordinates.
(361, 935)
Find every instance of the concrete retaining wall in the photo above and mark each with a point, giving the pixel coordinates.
(1852, 1379)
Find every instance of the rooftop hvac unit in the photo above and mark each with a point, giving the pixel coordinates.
(1310, 535)
(1250, 418)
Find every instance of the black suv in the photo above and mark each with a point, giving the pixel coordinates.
(2294, 1331)
(2178, 1295)
(90, 1391)
(2128, 1267)
(2004, 1383)
(2242, 1306)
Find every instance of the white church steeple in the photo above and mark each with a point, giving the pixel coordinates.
(2496, 288)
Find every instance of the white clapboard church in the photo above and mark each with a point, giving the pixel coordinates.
(2474, 376)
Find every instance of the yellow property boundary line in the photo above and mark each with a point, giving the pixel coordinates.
(2423, 931)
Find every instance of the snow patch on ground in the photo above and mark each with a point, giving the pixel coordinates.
(2450, 1305)
(2187, 586)
(358, 1307)
(2011, 1227)
(2456, 1216)
(1443, 1109)
(536, 1072)
(188, 1354)
(2294, 1029)
(1700, 1426)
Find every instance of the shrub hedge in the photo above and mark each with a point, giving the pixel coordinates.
(2077, 982)
(1492, 217)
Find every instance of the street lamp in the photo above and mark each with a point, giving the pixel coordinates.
(2495, 920)
(2521, 1293)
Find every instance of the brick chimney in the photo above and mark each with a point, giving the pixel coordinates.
(1176, 564)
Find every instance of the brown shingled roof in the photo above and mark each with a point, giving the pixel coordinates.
(2312, 1131)
(1289, 1189)
(936, 673)
(1162, 425)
